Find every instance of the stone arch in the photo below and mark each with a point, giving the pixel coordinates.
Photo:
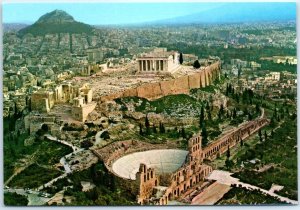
(169, 196)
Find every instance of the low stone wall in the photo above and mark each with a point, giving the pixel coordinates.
(181, 85)
(233, 137)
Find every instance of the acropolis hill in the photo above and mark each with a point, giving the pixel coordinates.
(167, 77)
(122, 82)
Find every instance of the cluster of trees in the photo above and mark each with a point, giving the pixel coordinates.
(14, 199)
(106, 192)
(260, 135)
(246, 97)
(279, 114)
(279, 149)
(252, 53)
(147, 129)
(269, 65)
(228, 162)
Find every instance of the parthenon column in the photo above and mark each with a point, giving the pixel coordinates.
(146, 65)
(158, 65)
(140, 66)
(151, 65)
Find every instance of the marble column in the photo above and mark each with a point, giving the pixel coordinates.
(149, 65)
(140, 65)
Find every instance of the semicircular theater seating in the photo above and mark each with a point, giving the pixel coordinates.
(163, 160)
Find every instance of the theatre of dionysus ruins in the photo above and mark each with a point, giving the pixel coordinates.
(160, 173)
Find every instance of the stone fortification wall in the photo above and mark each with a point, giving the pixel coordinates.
(181, 85)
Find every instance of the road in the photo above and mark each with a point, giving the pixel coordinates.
(34, 199)
(49, 137)
(224, 177)
(50, 183)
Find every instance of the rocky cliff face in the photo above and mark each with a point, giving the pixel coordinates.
(181, 85)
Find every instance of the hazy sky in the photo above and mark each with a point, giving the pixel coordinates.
(103, 13)
(106, 13)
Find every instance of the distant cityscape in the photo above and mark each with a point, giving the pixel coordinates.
(162, 113)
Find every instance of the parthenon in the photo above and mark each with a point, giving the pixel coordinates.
(160, 60)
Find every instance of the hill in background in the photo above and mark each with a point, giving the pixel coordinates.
(57, 21)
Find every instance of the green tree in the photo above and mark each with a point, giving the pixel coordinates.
(257, 108)
(147, 125)
(196, 64)
(204, 135)
(228, 163)
(201, 120)
(249, 116)
(234, 113)
(183, 134)
(154, 129)
(161, 128)
(272, 133)
(180, 58)
(141, 128)
(228, 152)
(221, 111)
(266, 135)
(260, 135)
(227, 90)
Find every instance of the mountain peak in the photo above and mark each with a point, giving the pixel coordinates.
(57, 21)
(56, 16)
